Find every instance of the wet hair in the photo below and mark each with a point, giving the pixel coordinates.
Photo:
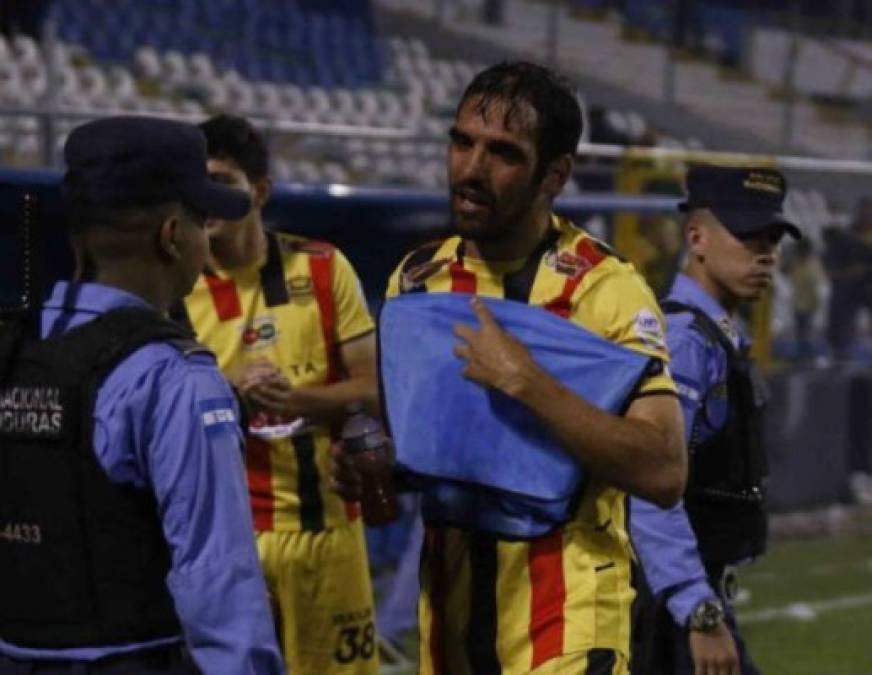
(234, 138)
(552, 96)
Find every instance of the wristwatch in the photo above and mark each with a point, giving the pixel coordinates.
(706, 616)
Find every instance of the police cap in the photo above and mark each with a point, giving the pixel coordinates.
(746, 201)
(129, 161)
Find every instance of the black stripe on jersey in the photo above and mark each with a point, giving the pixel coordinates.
(601, 662)
(272, 274)
(419, 256)
(481, 640)
(308, 479)
(517, 285)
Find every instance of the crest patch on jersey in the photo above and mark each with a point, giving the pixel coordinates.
(415, 277)
(567, 264)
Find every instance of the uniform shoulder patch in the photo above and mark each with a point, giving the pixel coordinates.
(218, 415)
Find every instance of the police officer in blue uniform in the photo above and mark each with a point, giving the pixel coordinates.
(126, 541)
(684, 624)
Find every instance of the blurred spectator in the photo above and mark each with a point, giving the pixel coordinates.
(848, 261)
(806, 275)
(493, 12)
(23, 17)
(859, 429)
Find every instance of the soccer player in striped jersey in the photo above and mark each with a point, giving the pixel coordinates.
(559, 603)
(288, 322)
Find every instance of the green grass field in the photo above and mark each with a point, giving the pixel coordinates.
(832, 579)
(810, 608)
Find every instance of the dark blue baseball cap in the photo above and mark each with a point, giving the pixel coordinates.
(130, 161)
(747, 201)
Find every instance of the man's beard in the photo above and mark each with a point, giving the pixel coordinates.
(499, 225)
(489, 230)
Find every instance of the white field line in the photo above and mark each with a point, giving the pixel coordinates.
(804, 611)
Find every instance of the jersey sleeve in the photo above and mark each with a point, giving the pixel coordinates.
(195, 466)
(352, 316)
(620, 307)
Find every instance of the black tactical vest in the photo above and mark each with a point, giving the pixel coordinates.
(83, 560)
(728, 472)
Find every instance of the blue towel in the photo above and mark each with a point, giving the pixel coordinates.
(482, 459)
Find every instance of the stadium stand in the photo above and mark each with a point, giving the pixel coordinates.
(347, 100)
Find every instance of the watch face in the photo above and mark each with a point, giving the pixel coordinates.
(707, 616)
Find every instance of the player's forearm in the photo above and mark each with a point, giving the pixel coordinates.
(634, 455)
(330, 403)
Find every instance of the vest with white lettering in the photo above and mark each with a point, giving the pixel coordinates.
(83, 560)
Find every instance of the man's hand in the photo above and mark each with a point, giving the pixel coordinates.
(714, 652)
(255, 373)
(345, 478)
(265, 389)
(494, 358)
(276, 396)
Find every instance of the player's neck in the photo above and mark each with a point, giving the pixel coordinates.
(136, 280)
(238, 247)
(519, 245)
(712, 287)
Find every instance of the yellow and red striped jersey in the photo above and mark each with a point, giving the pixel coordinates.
(293, 308)
(490, 605)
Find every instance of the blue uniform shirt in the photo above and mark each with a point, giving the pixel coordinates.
(663, 538)
(167, 422)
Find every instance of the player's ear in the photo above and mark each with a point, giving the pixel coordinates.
(696, 233)
(557, 174)
(166, 238)
(262, 191)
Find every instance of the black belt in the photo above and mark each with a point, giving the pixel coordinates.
(173, 659)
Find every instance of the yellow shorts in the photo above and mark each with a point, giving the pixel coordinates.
(322, 599)
(594, 662)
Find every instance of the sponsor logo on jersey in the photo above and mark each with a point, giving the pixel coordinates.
(261, 333)
(415, 277)
(648, 329)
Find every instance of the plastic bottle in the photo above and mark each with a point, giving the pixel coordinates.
(364, 439)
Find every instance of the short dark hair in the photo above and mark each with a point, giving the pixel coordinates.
(234, 138)
(552, 96)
